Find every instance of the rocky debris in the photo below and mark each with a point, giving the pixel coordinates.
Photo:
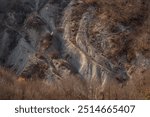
(91, 39)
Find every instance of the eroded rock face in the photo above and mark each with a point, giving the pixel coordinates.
(97, 40)
(54, 39)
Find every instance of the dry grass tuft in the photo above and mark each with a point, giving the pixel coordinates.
(69, 88)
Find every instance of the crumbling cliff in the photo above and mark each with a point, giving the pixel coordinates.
(95, 40)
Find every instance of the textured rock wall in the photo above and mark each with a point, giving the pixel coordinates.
(54, 39)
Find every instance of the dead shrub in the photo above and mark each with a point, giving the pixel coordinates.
(67, 88)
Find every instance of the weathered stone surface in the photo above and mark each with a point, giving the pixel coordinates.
(54, 39)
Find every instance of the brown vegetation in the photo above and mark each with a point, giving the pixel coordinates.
(68, 88)
(133, 15)
(124, 29)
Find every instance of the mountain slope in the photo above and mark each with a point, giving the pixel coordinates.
(92, 40)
